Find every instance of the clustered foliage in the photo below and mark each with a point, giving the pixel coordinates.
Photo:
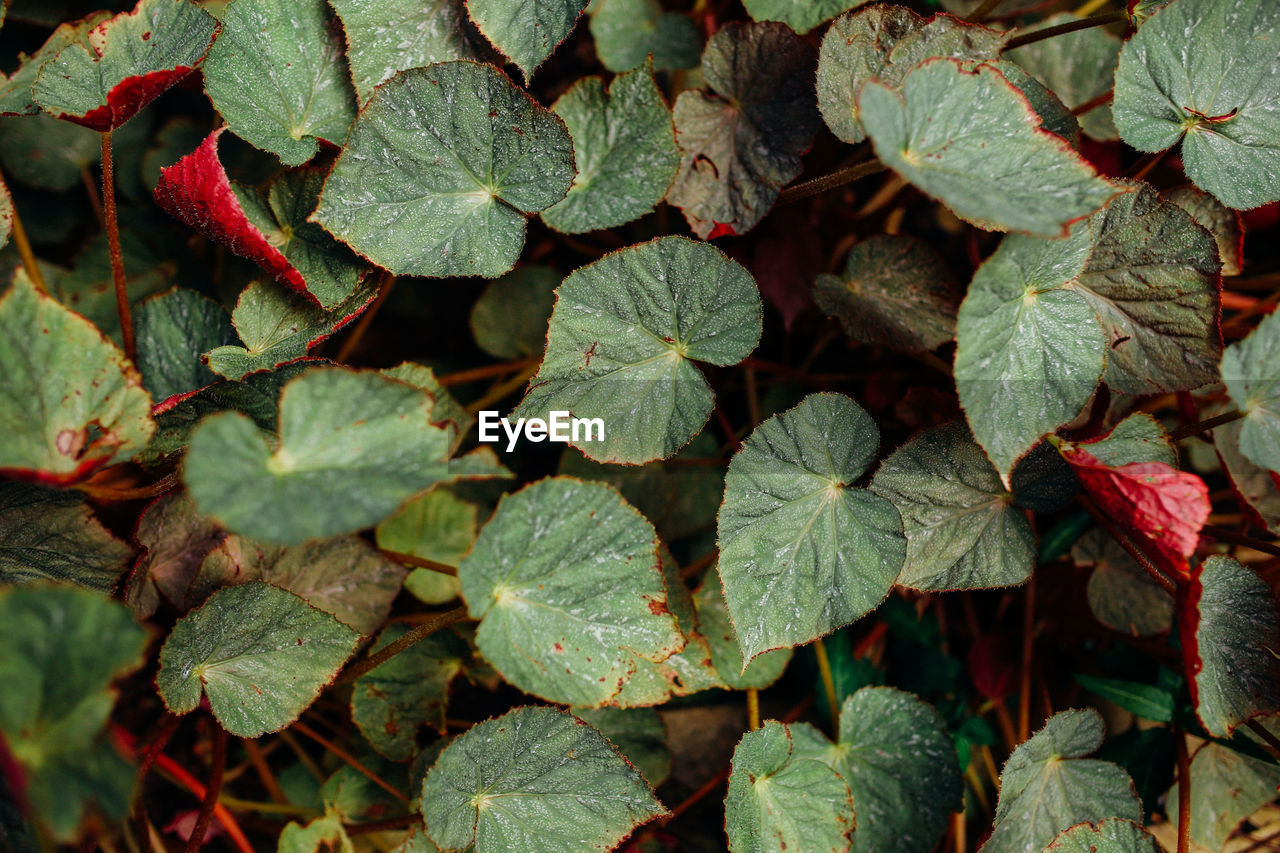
(942, 432)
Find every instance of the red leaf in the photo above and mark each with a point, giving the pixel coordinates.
(785, 265)
(990, 668)
(197, 192)
(128, 97)
(1167, 507)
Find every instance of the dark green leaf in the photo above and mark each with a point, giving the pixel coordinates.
(639, 734)
(800, 15)
(1145, 700)
(45, 153)
(1121, 594)
(173, 330)
(54, 535)
(509, 320)
(1115, 835)
(526, 31)
(439, 526)
(1137, 438)
(1078, 67)
(1250, 370)
(1216, 218)
(627, 32)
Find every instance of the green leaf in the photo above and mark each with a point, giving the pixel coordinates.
(276, 325)
(1137, 438)
(802, 552)
(627, 32)
(129, 60)
(323, 833)
(391, 701)
(1078, 67)
(45, 153)
(1217, 92)
(387, 36)
(900, 763)
(60, 649)
(566, 583)
(625, 148)
(440, 170)
(800, 15)
(1251, 372)
(1121, 595)
(438, 526)
(1054, 115)
(1230, 637)
(1226, 787)
(15, 90)
(1048, 785)
(90, 291)
(260, 654)
(622, 339)
(1251, 482)
(1115, 835)
(951, 132)
(526, 31)
(726, 653)
(353, 446)
(963, 530)
(277, 77)
(638, 733)
(1146, 700)
(69, 401)
(895, 291)
(741, 139)
(780, 801)
(173, 329)
(884, 42)
(1216, 218)
(537, 780)
(174, 539)
(54, 535)
(509, 320)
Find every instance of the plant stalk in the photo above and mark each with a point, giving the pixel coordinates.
(394, 648)
(982, 12)
(418, 562)
(23, 245)
(362, 325)
(1225, 535)
(828, 683)
(1068, 27)
(1184, 791)
(213, 788)
(1028, 647)
(113, 243)
(830, 181)
(1188, 430)
(350, 759)
(753, 709)
(1133, 551)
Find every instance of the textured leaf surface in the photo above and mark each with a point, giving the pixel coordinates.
(802, 553)
(1230, 635)
(390, 702)
(534, 779)
(260, 654)
(439, 526)
(1251, 372)
(174, 539)
(1137, 438)
(173, 330)
(386, 36)
(1208, 73)
(627, 32)
(566, 583)
(622, 339)
(526, 31)
(955, 134)
(625, 147)
(54, 535)
(440, 170)
(15, 90)
(509, 320)
(1114, 835)
(69, 401)
(352, 447)
(741, 138)
(780, 801)
(1253, 482)
(276, 75)
(1227, 786)
(726, 653)
(638, 734)
(800, 15)
(59, 652)
(128, 61)
(1216, 218)
(895, 291)
(963, 530)
(883, 43)
(1078, 67)
(899, 761)
(1048, 785)
(276, 326)
(1121, 595)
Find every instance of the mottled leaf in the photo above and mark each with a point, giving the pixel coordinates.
(54, 535)
(1252, 482)
(1137, 438)
(173, 330)
(1251, 372)
(174, 539)
(1226, 787)
(1216, 218)
(627, 32)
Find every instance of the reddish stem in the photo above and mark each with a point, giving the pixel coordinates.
(211, 791)
(113, 243)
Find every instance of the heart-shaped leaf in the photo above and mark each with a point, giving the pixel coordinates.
(260, 654)
(54, 535)
(802, 552)
(440, 170)
(952, 130)
(726, 654)
(741, 138)
(1216, 218)
(1217, 92)
(129, 60)
(1227, 786)
(1230, 635)
(352, 447)
(69, 401)
(963, 530)
(780, 801)
(173, 330)
(628, 32)
(277, 77)
(622, 339)
(625, 147)
(566, 583)
(800, 15)
(526, 31)
(1251, 370)
(899, 761)
(1121, 595)
(509, 320)
(1078, 67)
(1115, 835)
(534, 779)
(1048, 785)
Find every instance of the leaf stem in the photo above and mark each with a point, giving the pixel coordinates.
(1270, 743)
(1188, 430)
(95, 200)
(20, 240)
(1225, 535)
(1093, 103)
(502, 389)
(259, 761)
(1028, 648)
(828, 683)
(1068, 27)
(703, 562)
(983, 11)
(486, 372)
(839, 178)
(1184, 791)
(418, 562)
(113, 243)
(353, 340)
(350, 759)
(214, 788)
(753, 709)
(386, 653)
(1138, 557)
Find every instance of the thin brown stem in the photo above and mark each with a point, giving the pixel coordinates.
(362, 325)
(168, 483)
(1133, 551)
(387, 652)
(384, 825)
(502, 389)
(1184, 791)
(1188, 430)
(828, 683)
(350, 760)
(1068, 27)
(1222, 534)
(418, 562)
(753, 709)
(1028, 649)
(95, 200)
(982, 12)
(488, 371)
(20, 240)
(1093, 103)
(698, 565)
(113, 244)
(1146, 163)
(1269, 741)
(212, 789)
(259, 761)
(839, 178)
(168, 726)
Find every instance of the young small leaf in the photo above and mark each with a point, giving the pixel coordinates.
(1251, 370)
(54, 535)
(1137, 438)
(526, 31)
(15, 90)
